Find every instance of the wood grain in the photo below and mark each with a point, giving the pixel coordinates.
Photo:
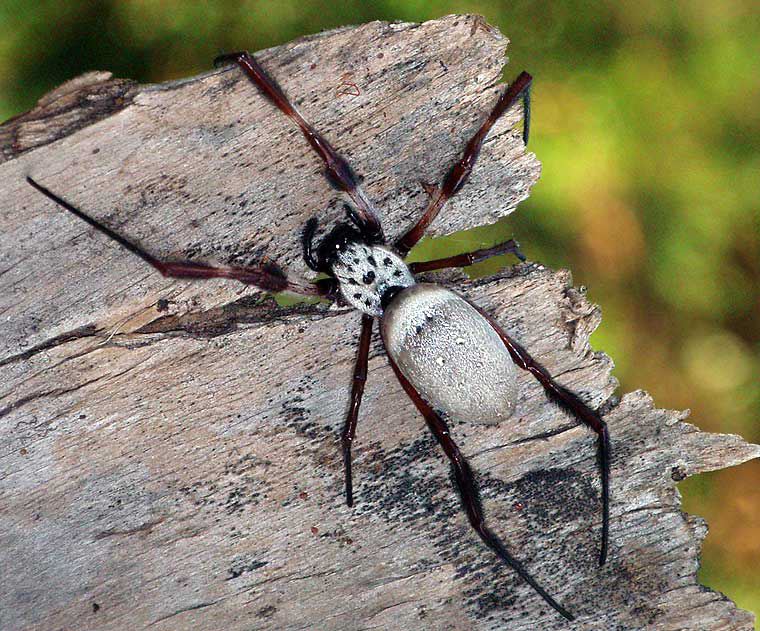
(169, 451)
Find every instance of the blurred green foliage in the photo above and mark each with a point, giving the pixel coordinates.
(647, 121)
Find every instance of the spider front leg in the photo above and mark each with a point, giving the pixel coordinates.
(337, 170)
(266, 277)
(461, 170)
(468, 258)
(357, 390)
(469, 491)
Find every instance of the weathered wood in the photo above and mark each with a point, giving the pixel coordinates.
(175, 463)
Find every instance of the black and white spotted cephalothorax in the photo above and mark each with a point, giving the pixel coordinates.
(368, 273)
(369, 276)
(452, 359)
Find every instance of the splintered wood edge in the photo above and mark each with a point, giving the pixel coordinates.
(653, 449)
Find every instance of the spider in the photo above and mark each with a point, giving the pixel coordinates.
(451, 358)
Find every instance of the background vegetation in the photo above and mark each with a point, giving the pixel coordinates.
(647, 121)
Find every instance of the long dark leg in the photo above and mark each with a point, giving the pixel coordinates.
(469, 491)
(337, 170)
(269, 277)
(570, 402)
(468, 258)
(460, 172)
(357, 390)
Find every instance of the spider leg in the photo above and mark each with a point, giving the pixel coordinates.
(469, 491)
(266, 277)
(357, 390)
(461, 170)
(571, 403)
(337, 170)
(468, 258)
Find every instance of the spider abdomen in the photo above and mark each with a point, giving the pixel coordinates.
(450, 353)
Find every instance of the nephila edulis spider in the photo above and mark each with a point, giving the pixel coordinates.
(451, 358)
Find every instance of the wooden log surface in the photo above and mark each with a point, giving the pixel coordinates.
(169, 452)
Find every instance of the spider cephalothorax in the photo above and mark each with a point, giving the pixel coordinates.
(450, 356)
(368, 273)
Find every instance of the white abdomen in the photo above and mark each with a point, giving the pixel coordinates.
(450, 353)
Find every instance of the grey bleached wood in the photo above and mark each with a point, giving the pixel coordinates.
(173, 464)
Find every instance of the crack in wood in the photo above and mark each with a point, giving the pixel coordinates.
(202, 605)
(30, 398)
(113, 532)
(83, 331)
